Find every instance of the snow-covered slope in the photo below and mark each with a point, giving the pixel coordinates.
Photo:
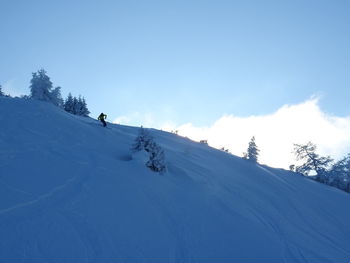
(71, 192)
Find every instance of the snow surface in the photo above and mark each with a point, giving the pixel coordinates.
(71, 192)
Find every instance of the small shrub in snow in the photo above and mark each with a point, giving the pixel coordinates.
(141, 141)
(225, 150)
(156, 160)
(144, 141)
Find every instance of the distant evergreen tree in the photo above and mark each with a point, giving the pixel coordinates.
(56, 97)
(83, 110)
(76, 106)
(313, 162)
(41, 88)
(252, 152)
(68, 104)
(1, 93)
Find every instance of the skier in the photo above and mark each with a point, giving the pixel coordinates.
(102, 118)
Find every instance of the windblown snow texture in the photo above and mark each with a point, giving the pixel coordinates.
(71, 192)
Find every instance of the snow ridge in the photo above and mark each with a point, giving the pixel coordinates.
(70, 191)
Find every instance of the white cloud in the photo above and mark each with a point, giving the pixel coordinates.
(276, 133)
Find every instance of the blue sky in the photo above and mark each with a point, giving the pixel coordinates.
(181, 61)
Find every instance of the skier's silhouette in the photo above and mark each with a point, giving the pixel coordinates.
(102, 118)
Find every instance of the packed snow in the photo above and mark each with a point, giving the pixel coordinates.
(73, 191)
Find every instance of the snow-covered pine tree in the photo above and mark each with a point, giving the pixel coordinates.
(253, 151)
(156, 160)
(68, 104)
(1, 93)
(85, 111)
(79, 106)
(41, 88)
(82, 107)
(75, 107)
(144, 141)
(56, 97)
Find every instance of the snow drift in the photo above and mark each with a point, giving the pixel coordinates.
(70, 191)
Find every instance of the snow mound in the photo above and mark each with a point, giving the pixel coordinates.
(71, 191)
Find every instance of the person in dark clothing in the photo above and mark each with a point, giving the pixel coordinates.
(102, 118)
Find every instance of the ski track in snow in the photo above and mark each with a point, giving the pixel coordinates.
(45, 201)
(14, 189)
(178, 230)
(56, 200)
